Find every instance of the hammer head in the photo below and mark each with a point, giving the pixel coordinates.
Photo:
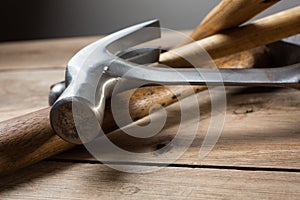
(80, 107)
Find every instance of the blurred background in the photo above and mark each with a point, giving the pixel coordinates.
(40, 19)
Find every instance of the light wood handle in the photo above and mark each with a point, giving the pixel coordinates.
(229, 14)
(258, 33)
(144, 98)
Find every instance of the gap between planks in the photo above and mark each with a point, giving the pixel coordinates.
(259, 132)
(75, 181)
(227, 167)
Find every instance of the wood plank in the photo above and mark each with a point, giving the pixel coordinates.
(55, 53)
(56, 180)
(261, 130)
(24, 66)
(25, 91)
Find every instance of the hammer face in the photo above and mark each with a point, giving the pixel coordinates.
(80, 107)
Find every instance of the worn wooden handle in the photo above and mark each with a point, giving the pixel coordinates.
(229, 14)
(258, 33)
(28, 139)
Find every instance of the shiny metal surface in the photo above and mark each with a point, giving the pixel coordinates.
(87, 85)
(138, 56)
(288, 76)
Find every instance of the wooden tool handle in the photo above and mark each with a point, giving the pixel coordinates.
(258, 33)
(28, 139)
(143, 99)
(229, 14)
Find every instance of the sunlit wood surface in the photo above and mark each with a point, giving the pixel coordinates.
(256, 157)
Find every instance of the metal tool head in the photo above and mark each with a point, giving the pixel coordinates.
(84, 94)
(93, 72)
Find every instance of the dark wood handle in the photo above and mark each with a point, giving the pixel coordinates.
(28, 139)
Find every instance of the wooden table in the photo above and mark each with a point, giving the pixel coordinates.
(257, 155)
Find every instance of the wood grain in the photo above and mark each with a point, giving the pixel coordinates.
(259, 131)
(258, 33)
(276, 141)
(25, 91)
(54, 180)
(141, 104)
(40, 53)
(228, 14)
(27, 140)
(266, 139)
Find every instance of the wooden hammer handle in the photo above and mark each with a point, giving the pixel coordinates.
(258, 33)
(28, 139)
(229, 14)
